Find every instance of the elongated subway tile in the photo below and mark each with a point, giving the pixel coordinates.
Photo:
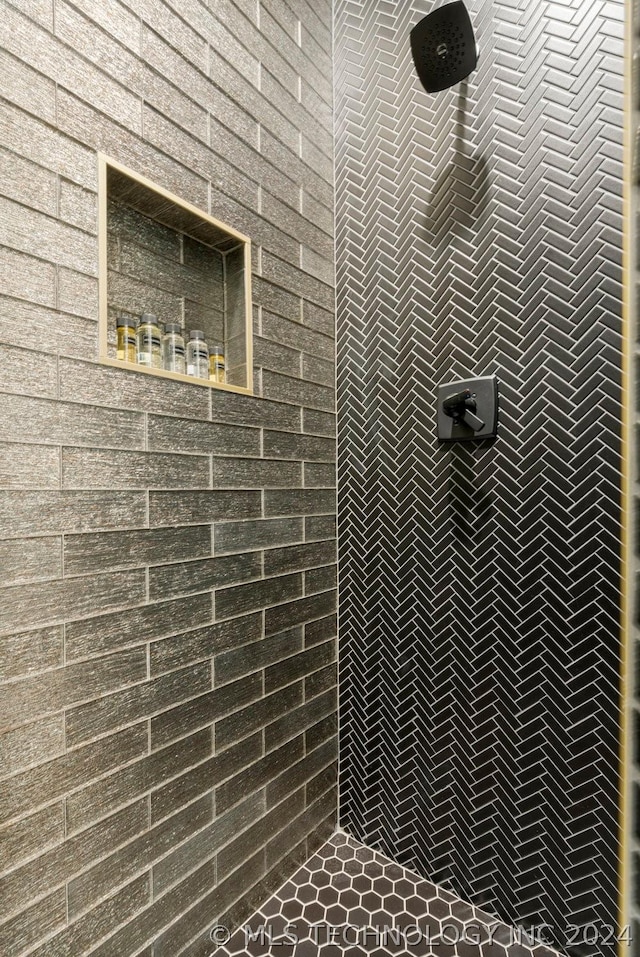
(317, 527)
(56, 690)
(255, 655)
(297, 774)
(300, 665)
(294, 334)
(69, 511)
(29, 231)
(318, 423)
(29, 467)
(175, 508)
(279, 358)
(203, 710)
(199, 644)
(256, 473)
(103, 919)
(303, 717)
(242, 723)
(88, 553)
(70, 423)
(264, 533)
(28, 277)
(240, 599)
(251, 411)
(319, 475)
(320, 681)
(34, 788)
(181, 578)
(98, 468)
(88, 888)
(51, 601)
(34, 923)
(278, 560)
(187, 435)
(198, 780)
(143, 700)
(203, 845)
(287, 445)
(299, 502)
(130, 781)
(283, 843)
(320, 630)
(258, 775)
(319, 319)
(60, 863)
(29, 559)
(302, 610)
(101, 634)
(27, 88)
(245, 845)
(31, 836)
(29, 652)
(123, 389)
(320, 579)
(31, 744)
(18, 365)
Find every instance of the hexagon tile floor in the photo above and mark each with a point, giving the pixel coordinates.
(350, 901)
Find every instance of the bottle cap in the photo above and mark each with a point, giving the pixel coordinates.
(196, 334)
(148, 317)
(218, 349)
(173, 327)
(123, 321)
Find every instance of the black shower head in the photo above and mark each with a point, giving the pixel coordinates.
(444, 47)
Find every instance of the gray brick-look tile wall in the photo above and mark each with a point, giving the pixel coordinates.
(168, 623)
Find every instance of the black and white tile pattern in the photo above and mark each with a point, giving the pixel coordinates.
(479, 232)
(352, 901)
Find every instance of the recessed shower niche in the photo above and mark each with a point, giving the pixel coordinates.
(162, 257)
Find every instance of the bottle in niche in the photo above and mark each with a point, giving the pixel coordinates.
(149, 344)
(127, 343)
(197, 355)
(216, 363)
(173, 352)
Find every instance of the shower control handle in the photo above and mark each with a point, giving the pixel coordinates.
(461, 407)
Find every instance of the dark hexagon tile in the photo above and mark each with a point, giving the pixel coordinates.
(394, 872)
(427, 890)
(339, 838)
(345, 852)
(404, 888)
(355, 952)
(373, 869)
(327, 850)
(341, 881)
(336, 915)
(491, 949)
(384, 886)
(503, 934)
(314, 912)
(306, 893)
(292, 909)
(417, 906)
(354, 867)
(328, 896)
(372, 900)
(362, 883)
(320, 879)
(271, 907)
(360, 917)
(333, 865)
(364, 854)
(329, 950)
(517, 950)
(393, 904)
(349, 898)
(380, 918)
(466, 949)
(306, 948)
(440, 909)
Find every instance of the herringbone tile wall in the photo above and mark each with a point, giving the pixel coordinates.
(479, 232)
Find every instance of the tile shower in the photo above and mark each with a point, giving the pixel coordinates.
(169, 616)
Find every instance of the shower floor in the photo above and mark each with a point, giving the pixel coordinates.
(348, 899)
